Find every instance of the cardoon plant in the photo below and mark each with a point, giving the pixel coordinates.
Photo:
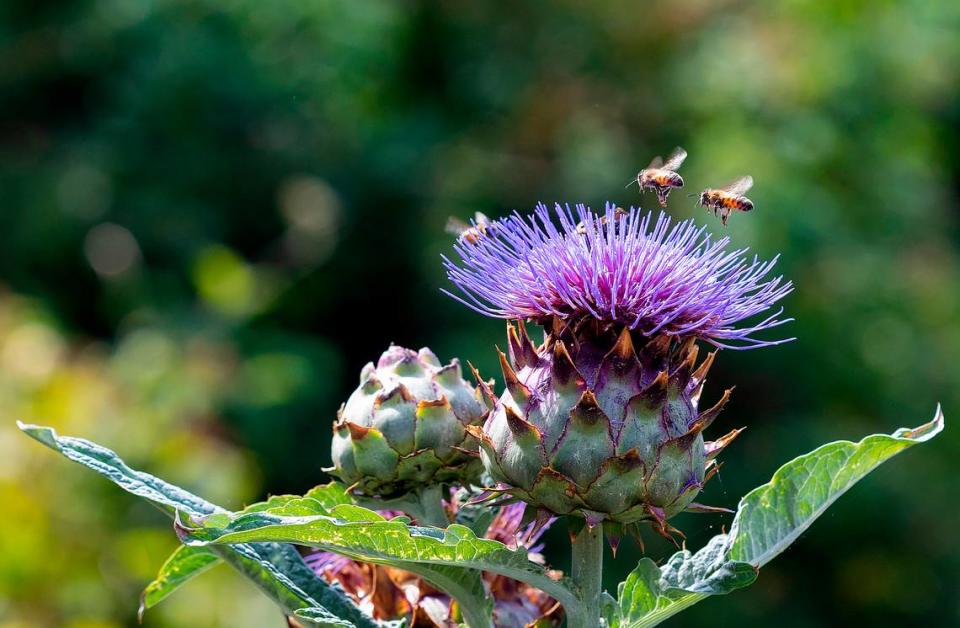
(600, 423)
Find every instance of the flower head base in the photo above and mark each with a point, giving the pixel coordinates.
(619, 267)
(403, 428)
(600, 423)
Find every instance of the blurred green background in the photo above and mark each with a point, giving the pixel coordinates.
(213, 213)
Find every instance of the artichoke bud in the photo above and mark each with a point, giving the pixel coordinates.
(602, 422)
(405, 426)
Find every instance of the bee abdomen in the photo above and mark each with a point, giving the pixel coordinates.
(669, 180)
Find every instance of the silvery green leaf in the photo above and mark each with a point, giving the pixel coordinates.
(450, 559)
(277, 569)
(768, 520)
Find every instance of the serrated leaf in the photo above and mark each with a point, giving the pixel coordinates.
(446, 558)
(768, 520)
(277, 569)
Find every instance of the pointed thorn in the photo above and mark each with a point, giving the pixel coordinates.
(451, 374)
(623, 349)
(621, 360)
(397, 394)
(485, 389)
(542, 519)
(588, 411)
(424, 404)
(654, 395)
(526, 340)
(522, 351)
(357, 432)
(513, 347)
(518, 425)
(614, 542)
(520, 393)
(557, 326)
(703, 508)
(707, 416)
(712, 471)
(695, 394)
(683, 373)
(655, 351)
(658, 515)
(592, 519)
(564, 370)
(477, 432)
(713, 448)
(689, 344)
(701, 373)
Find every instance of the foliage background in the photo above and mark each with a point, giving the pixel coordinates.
(215, 212)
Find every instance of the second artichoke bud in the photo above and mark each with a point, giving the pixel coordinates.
(602, 422)
(404, 428)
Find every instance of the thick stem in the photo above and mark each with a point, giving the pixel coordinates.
(586, 570)
(431, 505)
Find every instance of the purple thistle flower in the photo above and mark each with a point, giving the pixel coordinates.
(629, 268)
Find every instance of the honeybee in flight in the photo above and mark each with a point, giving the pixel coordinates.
(467, 233)
(725, 200)
(662, 177)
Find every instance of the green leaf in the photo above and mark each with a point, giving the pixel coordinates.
(449, 559)
(769, 518)
(277, 569)
(320, 617)
(183, 565)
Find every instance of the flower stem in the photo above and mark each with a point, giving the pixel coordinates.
(586, 570)
(431, 506)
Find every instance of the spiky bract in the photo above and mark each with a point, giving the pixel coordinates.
(404, 428)
(601, 422)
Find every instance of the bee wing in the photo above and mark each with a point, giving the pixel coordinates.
(739, 186)
(675, 159)
(456, 227)
(657, 162)
(481, 219)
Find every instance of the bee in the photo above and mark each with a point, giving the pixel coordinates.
(467, 233)
(618, 214)
(662, 177)
(725, 200)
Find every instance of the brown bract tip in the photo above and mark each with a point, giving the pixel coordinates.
(517, 389)
(357, 432)
(518, 425)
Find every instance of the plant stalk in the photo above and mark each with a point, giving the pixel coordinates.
(586, 570)
(431, 506)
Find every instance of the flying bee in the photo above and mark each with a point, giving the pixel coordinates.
(467, 233)
(618, 214)
(662, 177)
(725, 200)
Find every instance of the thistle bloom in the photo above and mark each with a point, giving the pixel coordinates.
(618, 267)
(601, 419)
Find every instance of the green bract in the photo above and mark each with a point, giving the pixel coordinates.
(404, 428)
(591, 425)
